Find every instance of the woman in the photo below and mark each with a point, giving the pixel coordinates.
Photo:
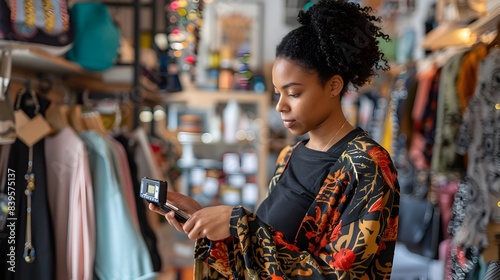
(332, 209)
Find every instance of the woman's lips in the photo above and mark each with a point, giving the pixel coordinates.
(288, 123)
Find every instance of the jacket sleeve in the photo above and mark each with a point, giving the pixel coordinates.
(337, 250)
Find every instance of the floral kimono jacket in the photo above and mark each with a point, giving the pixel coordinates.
(351, 227)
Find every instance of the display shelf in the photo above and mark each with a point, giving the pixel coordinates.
(30, 60)
(202, 98)
(97, 84)
(193, 97)
(33, 59)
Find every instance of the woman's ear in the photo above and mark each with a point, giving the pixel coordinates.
(335, 84)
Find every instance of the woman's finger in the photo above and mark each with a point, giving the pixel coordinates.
(170, 216)
(154, 208)
(195, 233)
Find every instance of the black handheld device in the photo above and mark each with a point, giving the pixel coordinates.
(155, 191)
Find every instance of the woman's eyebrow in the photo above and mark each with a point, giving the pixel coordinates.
(289, 85)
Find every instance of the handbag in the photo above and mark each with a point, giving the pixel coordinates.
(54, 38)
(97, 38)
(419, 226)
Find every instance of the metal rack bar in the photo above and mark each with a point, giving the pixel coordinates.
(137, 66)
(128, 4)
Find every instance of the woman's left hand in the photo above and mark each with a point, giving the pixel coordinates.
(210, 222)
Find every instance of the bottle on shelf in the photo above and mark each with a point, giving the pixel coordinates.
(230, 118)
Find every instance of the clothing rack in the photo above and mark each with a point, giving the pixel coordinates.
(41, 82)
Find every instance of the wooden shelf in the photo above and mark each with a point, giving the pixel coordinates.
(98, 85)
(200, 98)
(37, 60)
(27, 61)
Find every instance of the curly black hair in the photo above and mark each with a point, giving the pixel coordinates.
(336, 37)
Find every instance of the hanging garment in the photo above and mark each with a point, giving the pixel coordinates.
(147, 232)
(123, 172)
(448, 119)
(120, 250)
(405, 113)
(365, 111)
(391, 139)
(468, 74)
(429, 117)
(144, 157)
(417, 147)
(479, 139)
(43, 266)
(71, 199)
(463, 258)
(373, 118)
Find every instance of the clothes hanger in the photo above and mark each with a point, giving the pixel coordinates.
(109, 110)
(91, 117)
(30, 129)
(75, 118)
(57, 118)
(58, 114)
(93, 122)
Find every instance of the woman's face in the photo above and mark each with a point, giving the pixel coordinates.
(304, 104)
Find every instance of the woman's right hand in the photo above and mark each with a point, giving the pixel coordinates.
(184, 203)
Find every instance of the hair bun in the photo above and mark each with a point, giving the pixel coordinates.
(304, 18)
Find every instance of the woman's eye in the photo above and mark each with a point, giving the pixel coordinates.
(294, 95)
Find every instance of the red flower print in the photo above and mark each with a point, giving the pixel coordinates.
(338, 176)
(381, 158)
(344, 259)
(276, 277)
(219, 251)
(324, 241)
(381, 247)
(336, 232)
(391, 231)
(377, 206)
(461, 259)
(336, 216)
(279, 240)
(311, 234)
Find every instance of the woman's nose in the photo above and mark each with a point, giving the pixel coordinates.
(280, 105)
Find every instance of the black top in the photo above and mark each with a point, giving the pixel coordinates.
(287, 204)
(43, 267)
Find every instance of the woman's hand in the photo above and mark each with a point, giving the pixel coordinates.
(210, 222)
(184, 203)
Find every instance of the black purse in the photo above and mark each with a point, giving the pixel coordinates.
(419, 226)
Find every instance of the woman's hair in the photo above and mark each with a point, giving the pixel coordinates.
(336, 37)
